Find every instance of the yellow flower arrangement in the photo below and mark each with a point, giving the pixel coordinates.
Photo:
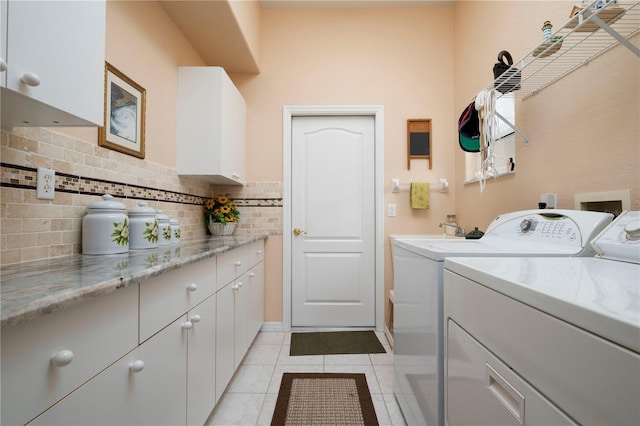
(220, 209)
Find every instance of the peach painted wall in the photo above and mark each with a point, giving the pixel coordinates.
(400, 58)
(144, 43)
(584, 129)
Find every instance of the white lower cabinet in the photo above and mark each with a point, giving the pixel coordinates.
(164, 385)
(255, 317)
(122, 365)
(224, 339)
(45, 359)
(240, 316)
(201, 366)
(146, 387)
(112, 397)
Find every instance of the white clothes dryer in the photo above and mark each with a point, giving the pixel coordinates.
(418, 267)
(546, 340)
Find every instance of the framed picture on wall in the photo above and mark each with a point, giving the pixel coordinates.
(124, 113)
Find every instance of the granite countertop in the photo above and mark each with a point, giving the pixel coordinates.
(33, 289)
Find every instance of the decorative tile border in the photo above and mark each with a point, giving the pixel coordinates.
(15, 176)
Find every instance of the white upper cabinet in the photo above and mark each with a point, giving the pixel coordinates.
(211, 129)
(53, 56)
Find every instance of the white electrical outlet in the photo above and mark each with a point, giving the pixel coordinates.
(391, 210)
(45, 184)
(550, 199)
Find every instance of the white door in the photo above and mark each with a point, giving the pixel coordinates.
(333, 215)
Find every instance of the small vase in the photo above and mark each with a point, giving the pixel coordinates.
(217, 228)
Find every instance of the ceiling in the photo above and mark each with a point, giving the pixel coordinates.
(213, 30)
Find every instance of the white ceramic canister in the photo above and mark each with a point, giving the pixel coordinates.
(105, 227)
(143, 227)
(164, 229)
(175, 229)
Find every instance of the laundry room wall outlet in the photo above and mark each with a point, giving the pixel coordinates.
(550, 199)
(45, 184)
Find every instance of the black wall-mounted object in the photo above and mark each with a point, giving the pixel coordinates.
(419, 140)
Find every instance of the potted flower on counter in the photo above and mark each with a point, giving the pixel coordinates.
(221, 215)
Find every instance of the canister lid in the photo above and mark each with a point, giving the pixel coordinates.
(161, 216)
(174, 221)
(107, 203)
(142, 210)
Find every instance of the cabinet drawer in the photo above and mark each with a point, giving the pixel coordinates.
(96, 333)
(231, 265)
(168, 296)
(255, 253)
(95, 401)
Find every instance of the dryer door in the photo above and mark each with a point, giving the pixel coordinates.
(481, 390)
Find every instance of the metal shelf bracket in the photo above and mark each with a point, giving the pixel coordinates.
(515, 129)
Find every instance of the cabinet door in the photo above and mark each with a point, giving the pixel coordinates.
(110, 398)
(211, 116)
(233, 132)
(256, 301)
(241, 304)
(163, 384)
(231, 264)
(225, 365)
(255, 253)
(45, 359)
(3, 43)
(201, 372)
(63, 44)
(168, 296)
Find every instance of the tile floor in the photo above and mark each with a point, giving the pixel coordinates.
(251, 396)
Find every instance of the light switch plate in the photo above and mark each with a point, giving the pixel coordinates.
(391, 210)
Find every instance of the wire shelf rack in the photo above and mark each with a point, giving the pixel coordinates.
(589, 33)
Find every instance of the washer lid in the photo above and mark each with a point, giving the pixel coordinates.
(598, 295)
(438, 250)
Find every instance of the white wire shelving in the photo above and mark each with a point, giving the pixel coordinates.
(588, 34)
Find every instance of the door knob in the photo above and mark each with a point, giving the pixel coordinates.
(298, 231)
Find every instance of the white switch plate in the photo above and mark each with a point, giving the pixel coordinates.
(391, 210)
(45, 184)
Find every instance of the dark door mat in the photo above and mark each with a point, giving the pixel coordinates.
(324, 399)
(335, 342)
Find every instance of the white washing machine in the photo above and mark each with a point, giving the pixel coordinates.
(546, 340)
(418, 279)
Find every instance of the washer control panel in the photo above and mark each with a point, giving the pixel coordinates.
(543, 228)
(621, 239)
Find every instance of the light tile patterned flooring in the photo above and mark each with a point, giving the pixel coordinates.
(251, 396)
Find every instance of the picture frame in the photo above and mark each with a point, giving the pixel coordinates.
(124, 114)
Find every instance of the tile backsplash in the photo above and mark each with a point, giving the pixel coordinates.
(32, 229)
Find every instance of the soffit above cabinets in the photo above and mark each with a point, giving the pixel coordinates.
(214, 31)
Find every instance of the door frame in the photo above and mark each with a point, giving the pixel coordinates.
(288, 113)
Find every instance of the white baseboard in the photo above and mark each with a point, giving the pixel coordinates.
(271, 326)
